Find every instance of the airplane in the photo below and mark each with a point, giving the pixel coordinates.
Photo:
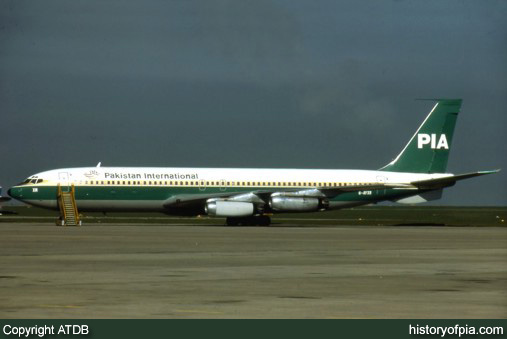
(3, 199)
(250, 196)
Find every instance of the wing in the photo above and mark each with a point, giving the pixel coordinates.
(196, 202)
(191, 204)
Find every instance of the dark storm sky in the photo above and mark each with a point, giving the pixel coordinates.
(227, 83)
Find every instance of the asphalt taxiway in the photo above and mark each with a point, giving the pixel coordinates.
(185, 271)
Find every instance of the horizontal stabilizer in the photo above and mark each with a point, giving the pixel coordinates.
(448, 181)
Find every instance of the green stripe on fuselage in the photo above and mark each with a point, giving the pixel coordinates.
(162, 193)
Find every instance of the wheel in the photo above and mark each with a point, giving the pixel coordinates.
(232, 221)
(242, 221)
(264, 220)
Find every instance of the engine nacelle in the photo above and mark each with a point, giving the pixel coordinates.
(294, 204)
(219, 208)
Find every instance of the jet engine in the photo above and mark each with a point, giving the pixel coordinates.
(219, 208)
(294, 204)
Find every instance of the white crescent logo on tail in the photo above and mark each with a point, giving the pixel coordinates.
(431, 139)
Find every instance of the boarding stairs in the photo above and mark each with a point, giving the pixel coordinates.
(69, 215)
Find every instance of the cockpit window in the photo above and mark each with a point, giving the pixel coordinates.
(32, 180)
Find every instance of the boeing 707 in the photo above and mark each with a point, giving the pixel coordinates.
(249, 196)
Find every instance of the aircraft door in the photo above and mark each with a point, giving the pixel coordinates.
(63, 178)
(202, 185)
(381, 179)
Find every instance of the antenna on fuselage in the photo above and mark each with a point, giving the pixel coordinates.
(100, 163)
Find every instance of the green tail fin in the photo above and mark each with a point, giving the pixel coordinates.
(428, 150)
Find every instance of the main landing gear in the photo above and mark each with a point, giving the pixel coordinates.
(260, 220)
